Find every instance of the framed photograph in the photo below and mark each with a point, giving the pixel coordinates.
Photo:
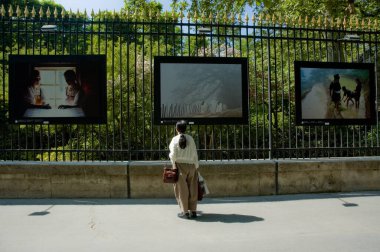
(201, 90)
(332, 93)
(53, 89)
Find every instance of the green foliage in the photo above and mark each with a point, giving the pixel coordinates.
(231, 7)
(331, 8)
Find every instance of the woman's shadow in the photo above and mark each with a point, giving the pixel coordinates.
(226, 218)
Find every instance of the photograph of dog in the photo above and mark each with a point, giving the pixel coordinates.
(350, 96)
(353, 96)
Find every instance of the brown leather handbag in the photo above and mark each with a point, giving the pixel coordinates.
(170, 174)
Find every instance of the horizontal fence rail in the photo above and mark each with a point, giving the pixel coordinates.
(130, 45)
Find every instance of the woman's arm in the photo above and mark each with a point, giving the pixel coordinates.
(173, 151)
(195, 153)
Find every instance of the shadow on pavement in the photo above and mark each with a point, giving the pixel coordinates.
(227, 218)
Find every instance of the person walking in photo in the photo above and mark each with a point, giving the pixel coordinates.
(184, 157)
(335, 91)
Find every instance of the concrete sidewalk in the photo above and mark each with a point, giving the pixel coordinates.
(317, 222)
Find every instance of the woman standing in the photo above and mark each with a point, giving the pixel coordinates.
(183, 155)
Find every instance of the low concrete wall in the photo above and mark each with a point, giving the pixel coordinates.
(328, 175)
(63, 180)
(232, 178)
(224, 178)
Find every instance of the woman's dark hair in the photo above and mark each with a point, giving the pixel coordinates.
(181, 128)
(34, 76)
(70, 75)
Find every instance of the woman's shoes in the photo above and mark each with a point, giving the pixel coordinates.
(192, 215)
(184, 215)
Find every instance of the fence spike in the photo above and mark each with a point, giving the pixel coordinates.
(326, 22)
(253, 19)
(267, 18)
(261, 18)
(375, 25)
(306, 21)
(280, 19)
(70, 14)
(350, 23)
(286, 20)
(63, 13)
(246, 18)
(41, 12)
(85, 13)
(33, 12)
(203, 16)
(166, 16)
(300, 21)
(174, 15)
(26, 12)
(225, 17)
(274, 19)
(92, 13)
(344, 23)
(10, 11)
(369, 24)
(294, 20)
(18, 11)
(363, 24)
(233, 19)
(313, 21)
(48, 13)
(78, 13)
(55, 13)
(195, 16)
(210, 17)
(357, 22)
(338, 22)
(2, 11)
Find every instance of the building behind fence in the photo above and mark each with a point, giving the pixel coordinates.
(130, 42)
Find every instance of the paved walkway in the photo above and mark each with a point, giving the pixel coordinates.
(312, 222)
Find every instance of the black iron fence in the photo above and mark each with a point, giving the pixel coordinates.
(131, 40)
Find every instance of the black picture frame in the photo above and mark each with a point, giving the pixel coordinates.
(90, 105)
(201, 90)
(319, 102)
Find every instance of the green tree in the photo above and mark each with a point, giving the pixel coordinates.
(231, 7)
(330, 8)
